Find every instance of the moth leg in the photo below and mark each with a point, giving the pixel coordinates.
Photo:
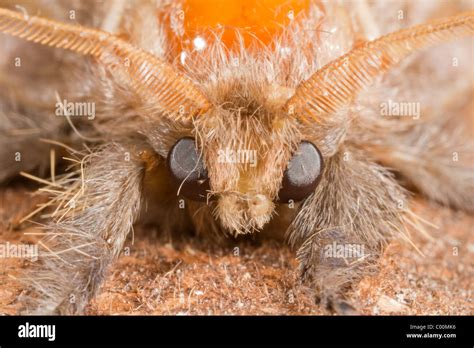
(96, 212)
(332, 274)
(341, 229)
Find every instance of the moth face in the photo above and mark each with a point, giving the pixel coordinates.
(244, 175)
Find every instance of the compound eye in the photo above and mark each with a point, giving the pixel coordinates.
(302, 174)
(187, 169)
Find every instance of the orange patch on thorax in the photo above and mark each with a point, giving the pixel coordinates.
(259, 20)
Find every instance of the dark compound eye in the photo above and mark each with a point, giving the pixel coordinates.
(302, 174)
(187, 169)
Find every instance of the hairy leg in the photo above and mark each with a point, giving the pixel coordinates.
(96, 211)
(341, 229)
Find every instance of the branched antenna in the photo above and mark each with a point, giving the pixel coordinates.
(152, 78)
(338, 83)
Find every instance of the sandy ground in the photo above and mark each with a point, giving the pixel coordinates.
(191, 277)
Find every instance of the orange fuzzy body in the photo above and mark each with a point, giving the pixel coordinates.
(260, 20)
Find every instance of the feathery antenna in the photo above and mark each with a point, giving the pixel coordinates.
(338, 83)
(153, 79)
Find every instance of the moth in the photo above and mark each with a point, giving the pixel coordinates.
(230, 118)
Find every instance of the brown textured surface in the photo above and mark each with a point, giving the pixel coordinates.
(193, 277)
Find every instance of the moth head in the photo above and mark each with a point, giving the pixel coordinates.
(247, 158)
(300, 178)
(243, 164)
(254, 156)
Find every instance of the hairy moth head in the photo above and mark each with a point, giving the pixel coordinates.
(239, 145)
